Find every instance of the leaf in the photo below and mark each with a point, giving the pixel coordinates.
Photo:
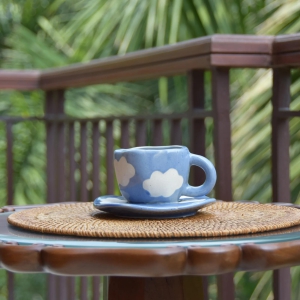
(175, 21)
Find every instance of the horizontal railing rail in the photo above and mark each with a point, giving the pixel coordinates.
(234, 51)
(195, 114)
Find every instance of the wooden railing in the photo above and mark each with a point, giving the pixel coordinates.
(216, 54)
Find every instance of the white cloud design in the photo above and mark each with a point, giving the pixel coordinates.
(163, 184)
(124, 171)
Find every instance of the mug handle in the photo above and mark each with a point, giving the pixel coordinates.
(211, 177)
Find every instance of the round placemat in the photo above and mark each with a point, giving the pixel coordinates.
(219, 219)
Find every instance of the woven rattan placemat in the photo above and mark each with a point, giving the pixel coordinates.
(219, 219)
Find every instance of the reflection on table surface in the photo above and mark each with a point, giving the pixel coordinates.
(22, 236)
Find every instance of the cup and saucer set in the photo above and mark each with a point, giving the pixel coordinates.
(154, 183)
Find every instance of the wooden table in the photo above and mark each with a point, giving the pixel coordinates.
(146, 269)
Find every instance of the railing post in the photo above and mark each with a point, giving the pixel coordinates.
(157, 133)
(222, 132)
(125, 137)
(54, 106)
(55, 147)
(197, 126)
(10, 194)
(196, 100)
(83, 162)
(222, 146)
(96, 191)
(72, 188)
(280, 164)
(280, 136)
(176, 133)
(9, 163)
(140, 132)
(109, 135)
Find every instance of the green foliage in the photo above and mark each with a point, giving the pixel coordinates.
(44, 34)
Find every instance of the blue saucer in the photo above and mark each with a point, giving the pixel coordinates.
(119, 206)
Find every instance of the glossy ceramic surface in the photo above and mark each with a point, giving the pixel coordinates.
(119, 206)
(160, 174)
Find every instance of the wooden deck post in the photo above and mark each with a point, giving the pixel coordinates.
(58, 286)
(54, 106)
(197, 126)
(222, 146)
(196, 100)
(281, 164)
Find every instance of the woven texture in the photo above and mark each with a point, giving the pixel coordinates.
(219, 219)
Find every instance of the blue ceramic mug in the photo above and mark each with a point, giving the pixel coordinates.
(160, 174)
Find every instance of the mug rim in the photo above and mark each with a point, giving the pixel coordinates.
(154, 148)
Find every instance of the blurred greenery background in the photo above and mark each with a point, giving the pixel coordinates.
(44, 34)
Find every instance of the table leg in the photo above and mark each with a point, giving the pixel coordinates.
(225, 286)
(175, 288)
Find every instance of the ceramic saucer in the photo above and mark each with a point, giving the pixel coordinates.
(119, 206)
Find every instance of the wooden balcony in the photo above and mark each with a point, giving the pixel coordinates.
(217, 54)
